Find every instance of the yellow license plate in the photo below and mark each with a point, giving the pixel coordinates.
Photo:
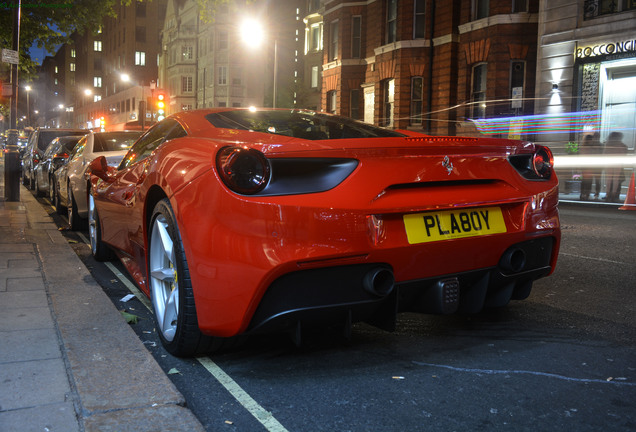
(453, 224)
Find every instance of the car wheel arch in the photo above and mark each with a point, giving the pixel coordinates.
(154, 195)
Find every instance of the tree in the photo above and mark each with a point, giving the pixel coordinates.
(49, 24)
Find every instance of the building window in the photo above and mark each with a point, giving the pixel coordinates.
(186, 52)
(356, 36)
(419, 19)
(391, 21)
(73, 53)
(236, 76)
(314, 5)
(223, 40)
(331, 102)
(388, 99)
(97, 81)
(519, 6)
(517, 83)
(186, 84)
(140, 34)
(315, 37)
(141, 10)
(222, 104)
(222, 76)
(333, 41)
(354, 104)
(127, 105)
(481, 9)
(595, 8)
(97, 45)
(416, 100)
(186, 107)
(478, 91)
(140, 58)
(315, 75)
(97, 98)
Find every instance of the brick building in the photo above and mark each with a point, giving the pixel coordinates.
(429, 65)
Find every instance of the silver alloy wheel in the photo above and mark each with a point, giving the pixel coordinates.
(92, 224)
(164, 285)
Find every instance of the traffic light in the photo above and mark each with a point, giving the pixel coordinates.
(102, 124)
(160, 104)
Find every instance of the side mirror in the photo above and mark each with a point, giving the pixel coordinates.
(99, 168)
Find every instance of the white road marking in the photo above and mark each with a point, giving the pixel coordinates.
(265, 417)
(593, 258)
(524, 372)
(261, 414)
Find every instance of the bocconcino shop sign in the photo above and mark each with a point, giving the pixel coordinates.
(606, 49)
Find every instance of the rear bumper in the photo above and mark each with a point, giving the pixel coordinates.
(341, 295)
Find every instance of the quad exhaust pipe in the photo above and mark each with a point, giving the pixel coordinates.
(379, 281)
(513, 260)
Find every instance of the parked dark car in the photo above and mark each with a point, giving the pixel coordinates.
(39, 140)
(55, 155)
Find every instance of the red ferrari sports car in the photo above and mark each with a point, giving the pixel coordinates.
(239, 221)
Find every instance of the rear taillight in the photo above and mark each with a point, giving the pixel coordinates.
(536, 166)
(244, 171)
(542, 162)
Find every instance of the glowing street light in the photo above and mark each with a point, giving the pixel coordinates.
(28, 90)
(253, 34)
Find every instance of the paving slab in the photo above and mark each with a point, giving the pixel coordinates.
(25, 345)
(51, 417)
(32, 383)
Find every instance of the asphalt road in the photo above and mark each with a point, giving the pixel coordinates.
(564, 359)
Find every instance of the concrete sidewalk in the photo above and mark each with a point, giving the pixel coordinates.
(68, 360)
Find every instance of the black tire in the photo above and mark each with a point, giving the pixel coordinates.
(31, 180)
(51, 192)
(36, 187)
(100, 250)
(59, 208)
(181, 335)
(75, 222)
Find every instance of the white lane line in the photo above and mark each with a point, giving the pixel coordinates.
(523, 372)
(593, 258)
(265, 417)
(261, 414)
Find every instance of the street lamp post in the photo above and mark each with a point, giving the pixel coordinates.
(275, 72)
(252, 33)
(28, 90)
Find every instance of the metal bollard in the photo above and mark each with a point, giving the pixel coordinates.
(12, 167)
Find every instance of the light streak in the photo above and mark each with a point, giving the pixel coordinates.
(598, 161)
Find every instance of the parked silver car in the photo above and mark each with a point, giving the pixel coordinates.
(55, 155)
(71, 182)
(38, 142)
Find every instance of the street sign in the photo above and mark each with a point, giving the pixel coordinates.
(7, 90)
(517, 97)
(10, 56)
